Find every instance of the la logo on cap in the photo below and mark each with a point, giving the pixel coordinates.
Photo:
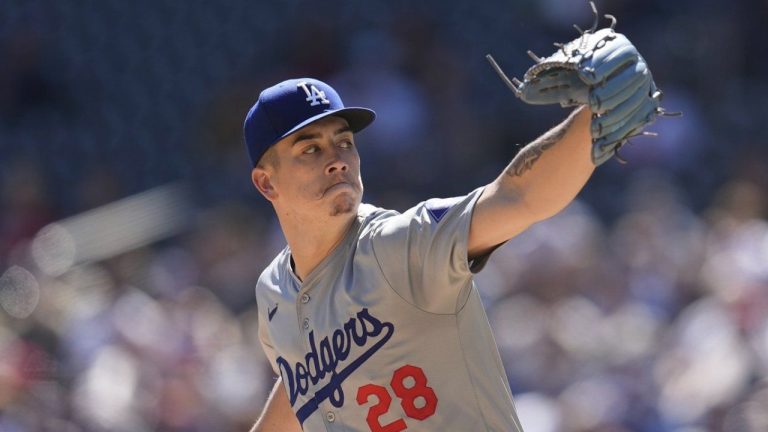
(315, 96)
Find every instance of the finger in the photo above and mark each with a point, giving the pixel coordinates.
(610, 121)
(608, 61)
(616, 90)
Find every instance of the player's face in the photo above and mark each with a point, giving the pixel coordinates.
(317, 170)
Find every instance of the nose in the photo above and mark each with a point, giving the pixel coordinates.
(336, 165)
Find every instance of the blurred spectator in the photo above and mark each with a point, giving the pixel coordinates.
(27, 85)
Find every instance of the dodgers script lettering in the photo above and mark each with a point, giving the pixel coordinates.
(325, 356)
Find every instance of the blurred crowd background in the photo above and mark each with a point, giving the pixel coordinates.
(131, 237)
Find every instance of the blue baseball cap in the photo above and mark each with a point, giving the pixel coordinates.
(290, 105)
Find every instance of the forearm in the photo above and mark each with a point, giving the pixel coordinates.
(277, 414)
(548, 173)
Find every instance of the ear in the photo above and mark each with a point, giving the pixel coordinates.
(262, 180)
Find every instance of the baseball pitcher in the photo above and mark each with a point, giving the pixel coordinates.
(370, 318)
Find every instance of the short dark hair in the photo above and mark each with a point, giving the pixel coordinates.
(269, 158)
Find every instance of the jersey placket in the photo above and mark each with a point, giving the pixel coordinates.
(303, 313)
(312, 289)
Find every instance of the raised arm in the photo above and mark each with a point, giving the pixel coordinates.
(603, 73)
(277, 415)
(541, 180)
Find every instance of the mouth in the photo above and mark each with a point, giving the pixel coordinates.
(341, 184)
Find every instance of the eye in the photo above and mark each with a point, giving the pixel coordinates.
(346, 144)
(310, 149)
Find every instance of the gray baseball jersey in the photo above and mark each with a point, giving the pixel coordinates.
(388, 332)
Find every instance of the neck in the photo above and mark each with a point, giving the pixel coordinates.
(312, 240)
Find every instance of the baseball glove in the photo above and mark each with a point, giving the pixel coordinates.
(601, 69)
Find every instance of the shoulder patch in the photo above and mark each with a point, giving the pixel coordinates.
(438, 207)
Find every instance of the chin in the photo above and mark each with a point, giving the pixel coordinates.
(344, 204)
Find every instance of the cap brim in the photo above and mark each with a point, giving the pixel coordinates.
(357, 117)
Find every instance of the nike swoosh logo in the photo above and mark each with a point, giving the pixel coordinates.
(272, 312)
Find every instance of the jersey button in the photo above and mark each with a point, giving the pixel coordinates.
(306, 323)
(305, 298)
(331, 417)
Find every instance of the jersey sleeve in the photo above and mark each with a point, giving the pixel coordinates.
(422, 252)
